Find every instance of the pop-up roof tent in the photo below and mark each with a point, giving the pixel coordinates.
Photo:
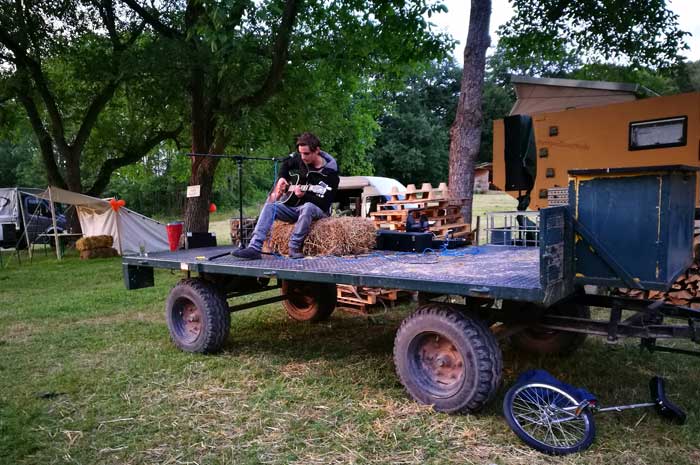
(97, 217)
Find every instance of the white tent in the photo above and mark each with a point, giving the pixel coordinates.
(97, 217)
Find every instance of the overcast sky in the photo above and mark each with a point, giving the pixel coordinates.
(456, 22)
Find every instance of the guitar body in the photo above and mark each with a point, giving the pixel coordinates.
(316, 184)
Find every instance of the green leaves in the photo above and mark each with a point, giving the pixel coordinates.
(633, 32)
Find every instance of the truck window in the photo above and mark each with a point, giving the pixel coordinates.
(659, 133)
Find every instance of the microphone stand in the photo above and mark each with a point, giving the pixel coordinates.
(239, 164)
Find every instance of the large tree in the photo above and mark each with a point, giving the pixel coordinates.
(413, 144)
(640, 33)
(465, 133)
(240, 58)
(66, 63)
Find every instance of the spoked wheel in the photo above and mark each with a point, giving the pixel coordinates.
(446, 359)
(198, 316)
(544, 417)
(309, 301)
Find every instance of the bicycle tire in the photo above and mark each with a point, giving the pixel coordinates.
(542, 416)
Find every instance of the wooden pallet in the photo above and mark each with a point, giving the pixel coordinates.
(442, 213)
(360, 299)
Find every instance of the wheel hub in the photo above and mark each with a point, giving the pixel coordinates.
(440, 361)
(192, 318)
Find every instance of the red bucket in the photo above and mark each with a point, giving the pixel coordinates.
(174, 233)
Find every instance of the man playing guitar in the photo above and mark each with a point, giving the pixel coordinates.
(304, 192)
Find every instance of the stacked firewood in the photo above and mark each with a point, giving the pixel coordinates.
(684, 292)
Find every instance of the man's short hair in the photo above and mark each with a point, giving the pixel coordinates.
(309, 140)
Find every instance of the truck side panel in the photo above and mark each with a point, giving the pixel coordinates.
(598, 137)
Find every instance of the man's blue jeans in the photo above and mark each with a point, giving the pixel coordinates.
(302, 216)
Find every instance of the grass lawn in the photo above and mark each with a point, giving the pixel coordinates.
(88, 376)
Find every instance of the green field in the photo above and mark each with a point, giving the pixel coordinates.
(88, 376)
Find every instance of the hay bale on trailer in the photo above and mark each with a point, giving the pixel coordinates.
(328, 236)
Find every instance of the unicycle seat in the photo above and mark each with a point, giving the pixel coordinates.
(663, 406)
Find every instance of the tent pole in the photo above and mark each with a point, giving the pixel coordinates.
(119, 231)
(24, 222)
(55, 227)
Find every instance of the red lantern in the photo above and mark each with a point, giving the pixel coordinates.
(212, 207)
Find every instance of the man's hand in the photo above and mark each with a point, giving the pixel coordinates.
(280, 188)
(298, 192)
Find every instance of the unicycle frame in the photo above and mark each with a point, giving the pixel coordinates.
(534, 411)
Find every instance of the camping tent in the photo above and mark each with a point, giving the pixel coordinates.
(97, 217)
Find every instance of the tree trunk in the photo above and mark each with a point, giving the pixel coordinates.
(465, 133)
(197, 208)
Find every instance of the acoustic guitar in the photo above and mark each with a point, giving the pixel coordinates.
(318, 187)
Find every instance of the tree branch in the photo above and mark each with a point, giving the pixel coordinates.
(131, 154)
(153, 21)
(279, 60)
(106, 10)
(44, 139)
(34, 69)
(96, 107)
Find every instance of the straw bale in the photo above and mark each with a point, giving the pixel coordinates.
(344, 235)
(94, 242)
(101, 252)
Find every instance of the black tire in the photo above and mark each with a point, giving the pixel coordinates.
(446, 359)
(543, 341)
(535, 412)
(309, 301)
(198, 316)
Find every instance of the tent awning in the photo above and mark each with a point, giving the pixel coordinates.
(58, 195)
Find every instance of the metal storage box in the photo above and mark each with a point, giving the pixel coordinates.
(634, 226)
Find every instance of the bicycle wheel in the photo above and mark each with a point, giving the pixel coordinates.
(543, 417)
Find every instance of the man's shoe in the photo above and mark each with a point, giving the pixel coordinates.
(248, 253)
(295, 254)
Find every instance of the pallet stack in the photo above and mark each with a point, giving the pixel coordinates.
(442, 213)
(360, 299)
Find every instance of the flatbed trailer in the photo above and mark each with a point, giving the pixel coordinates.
(447, 354)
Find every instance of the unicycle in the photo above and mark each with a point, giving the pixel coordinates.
(556, 418)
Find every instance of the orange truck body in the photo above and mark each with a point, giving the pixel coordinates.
(599, 137)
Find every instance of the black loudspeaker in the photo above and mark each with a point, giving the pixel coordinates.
(404, 241)
(195, 240)
(520, 153)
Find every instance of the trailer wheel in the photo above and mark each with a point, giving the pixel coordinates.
(198, 316)
(446, 359)
(548, 341)
(309, 301)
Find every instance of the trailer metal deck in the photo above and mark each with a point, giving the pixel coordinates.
(495, 271)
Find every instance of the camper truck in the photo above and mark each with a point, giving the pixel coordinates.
(558, 125)
(20, 206)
